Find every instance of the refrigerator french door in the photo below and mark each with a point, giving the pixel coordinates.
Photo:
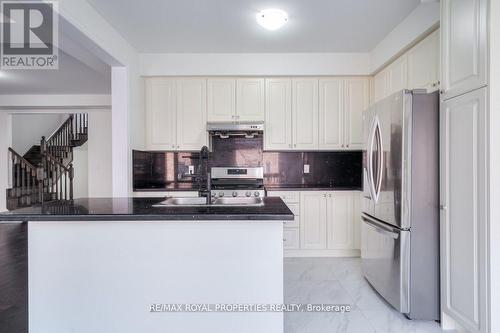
(400, 220)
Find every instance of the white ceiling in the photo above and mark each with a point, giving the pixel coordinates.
(72, 77)
(228, 26)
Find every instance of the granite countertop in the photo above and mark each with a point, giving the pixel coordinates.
(141, 209)
(170, 188)
(274, 187)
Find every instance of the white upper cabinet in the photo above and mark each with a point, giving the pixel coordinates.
(176, 114)
(423, 64)
(305, 113)
(250, 100)
(463, 35)
(397, 75)
(331, 113)
(161, 114)
(221, 99)
(357, 100)
(278, 124)
(416, 69)
(191, 114)
(380, 85)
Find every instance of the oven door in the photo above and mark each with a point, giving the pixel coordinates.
(385, 255)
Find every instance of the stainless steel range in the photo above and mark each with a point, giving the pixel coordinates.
(237, 182)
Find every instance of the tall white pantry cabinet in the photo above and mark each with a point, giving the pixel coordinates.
(464, 165)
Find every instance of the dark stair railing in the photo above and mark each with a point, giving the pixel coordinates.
(52, 177)
(25, 189)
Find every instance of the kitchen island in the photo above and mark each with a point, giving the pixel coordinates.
(109, 265)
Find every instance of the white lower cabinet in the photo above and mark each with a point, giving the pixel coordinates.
(326, 223)
(313, 217)
(340, 226)
(291, 238)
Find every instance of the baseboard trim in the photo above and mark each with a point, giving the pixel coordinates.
(321, 253)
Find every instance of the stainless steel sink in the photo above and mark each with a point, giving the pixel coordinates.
(218, 202)
(191, 201)
(237, 201)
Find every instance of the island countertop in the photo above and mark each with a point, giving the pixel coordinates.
(141, 209)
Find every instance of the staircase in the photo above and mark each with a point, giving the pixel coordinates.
(45, 172)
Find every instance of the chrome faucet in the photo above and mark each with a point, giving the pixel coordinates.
(204, 173)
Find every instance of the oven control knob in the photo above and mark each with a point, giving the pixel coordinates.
(248, 194)
(221, 194)
(257, 194)
(235, 194)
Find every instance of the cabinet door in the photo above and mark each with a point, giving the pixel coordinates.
(221, 99)
(250, 99)
(463, 213)
(464, 45)
(380, 85)
(161, 114)
(278, 132)
(313, 220)
(191, 114)
(423, 64)
(305, 113)
(397, 75)
(357, 99)
(340, 224)
(331, 113)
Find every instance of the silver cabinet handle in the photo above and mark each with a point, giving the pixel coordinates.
(295, 145)
(330, 195)
(324, 195)
(443, 207)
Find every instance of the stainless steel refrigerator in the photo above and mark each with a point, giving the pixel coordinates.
(400, 219)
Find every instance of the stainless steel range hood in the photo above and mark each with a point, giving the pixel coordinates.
(246, 129)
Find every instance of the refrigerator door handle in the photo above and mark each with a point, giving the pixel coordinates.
(381, 229)
(380, 161)
(370, 160)
(374, 179)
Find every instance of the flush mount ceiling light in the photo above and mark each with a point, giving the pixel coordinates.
(272, 18)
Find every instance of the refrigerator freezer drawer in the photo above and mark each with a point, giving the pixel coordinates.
(385, 254)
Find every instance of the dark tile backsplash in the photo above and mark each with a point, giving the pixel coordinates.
(157, 170)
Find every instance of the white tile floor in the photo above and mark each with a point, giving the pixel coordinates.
(340, 281)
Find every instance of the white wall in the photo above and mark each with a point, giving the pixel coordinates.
(422, 20)
(28, 129)
(116, 51)
(99, 147)
(255, 64)
(81, 170)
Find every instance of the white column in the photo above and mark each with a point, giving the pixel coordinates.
(5, 143)
(120, 132)
(100, 182)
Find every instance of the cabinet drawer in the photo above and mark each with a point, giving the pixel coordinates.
(293, 224)
(294, 207)
(290, 238)
(286, 196)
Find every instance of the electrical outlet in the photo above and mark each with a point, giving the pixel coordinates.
(191, 169)
(306, 168)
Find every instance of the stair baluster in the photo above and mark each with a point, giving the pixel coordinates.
(51, 175)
